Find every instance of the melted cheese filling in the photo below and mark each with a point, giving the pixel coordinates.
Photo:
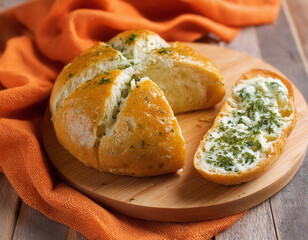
(255, 117)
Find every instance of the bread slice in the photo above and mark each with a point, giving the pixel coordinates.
(119, 124)
(249, 133)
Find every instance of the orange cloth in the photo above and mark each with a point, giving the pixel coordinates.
(37, 38)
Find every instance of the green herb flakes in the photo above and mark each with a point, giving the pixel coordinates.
(164, 50)
(103, 81)
(131, 39)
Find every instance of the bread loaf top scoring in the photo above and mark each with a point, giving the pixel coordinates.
(177, 69)
(189, 80)
(121, 124)
(250, 130)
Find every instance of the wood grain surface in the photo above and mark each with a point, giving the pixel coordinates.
(9, 208)
(32, 224)
(289, 219)
(186, 196)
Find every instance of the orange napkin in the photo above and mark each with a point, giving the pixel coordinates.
(37, 38)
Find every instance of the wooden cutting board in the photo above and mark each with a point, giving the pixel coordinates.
(186, 196)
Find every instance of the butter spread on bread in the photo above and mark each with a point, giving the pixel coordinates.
(109, 113)
(248, 134)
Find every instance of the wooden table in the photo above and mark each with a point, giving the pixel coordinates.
(284, 45)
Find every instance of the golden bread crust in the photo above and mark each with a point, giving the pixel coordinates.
(77, 121)
(127, 37)
(231, 178)
(81, 107)
(99, 53)
(146, 139)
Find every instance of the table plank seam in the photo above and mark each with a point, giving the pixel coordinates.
(295, 34)
(17, 215)
(273, 218)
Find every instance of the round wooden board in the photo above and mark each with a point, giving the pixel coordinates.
(186, 196)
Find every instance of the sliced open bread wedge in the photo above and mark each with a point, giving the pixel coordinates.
(189, 80)
(96, 60)
(119, 124)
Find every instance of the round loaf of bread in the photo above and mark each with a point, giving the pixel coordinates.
(109, 108)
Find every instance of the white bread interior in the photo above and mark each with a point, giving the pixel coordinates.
(135, 44)
(83, 133)
(184, 86)
(116, 61)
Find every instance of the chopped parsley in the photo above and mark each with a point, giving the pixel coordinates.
(103, 81)
(164, 50)
(131, 38)
(249, 158)
(86, 86)
(237, 140)
(223, 162)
